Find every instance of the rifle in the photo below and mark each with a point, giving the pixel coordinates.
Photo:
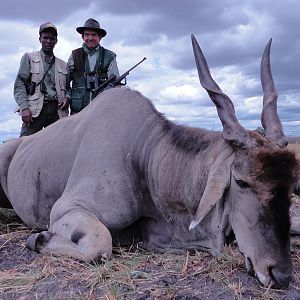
(113, 80)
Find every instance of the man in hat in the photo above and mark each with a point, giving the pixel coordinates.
(89, 65)
(40, 87)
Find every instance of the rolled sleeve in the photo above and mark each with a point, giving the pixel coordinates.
(113, 68)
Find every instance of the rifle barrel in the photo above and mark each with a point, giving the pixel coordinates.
(136, 64)
(113, 80)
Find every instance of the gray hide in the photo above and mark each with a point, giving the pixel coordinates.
(294, 145)
(119, 171)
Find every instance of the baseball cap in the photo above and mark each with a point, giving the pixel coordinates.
(46, 26)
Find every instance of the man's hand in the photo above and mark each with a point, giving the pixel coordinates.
(64, 104)
(26, 116)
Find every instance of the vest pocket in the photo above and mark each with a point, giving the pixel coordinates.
(77, 92)
(62, 76)
(76, 100)
(62, 72)
(35, 71)
(34, 103)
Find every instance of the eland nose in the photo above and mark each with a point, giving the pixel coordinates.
(281, 278)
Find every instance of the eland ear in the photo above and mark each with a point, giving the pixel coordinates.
(217, 182)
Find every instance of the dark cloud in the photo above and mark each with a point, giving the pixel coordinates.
(177, 18)
(40, 11)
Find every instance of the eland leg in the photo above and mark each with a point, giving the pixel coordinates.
(295, 226)
(78, 234)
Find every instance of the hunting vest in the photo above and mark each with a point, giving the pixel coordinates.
(80, 97)
(35, 101)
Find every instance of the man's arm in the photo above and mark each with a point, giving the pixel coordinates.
(20, 93)
(23, 76)
(113, 68)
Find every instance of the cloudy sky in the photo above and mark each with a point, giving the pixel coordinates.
(231, 33)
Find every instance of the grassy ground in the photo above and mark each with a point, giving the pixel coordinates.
(132, 273)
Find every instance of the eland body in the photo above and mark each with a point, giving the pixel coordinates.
(119, 172)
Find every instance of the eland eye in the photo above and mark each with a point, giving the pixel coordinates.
(242, 183)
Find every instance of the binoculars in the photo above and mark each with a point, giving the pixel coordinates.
(93, 80)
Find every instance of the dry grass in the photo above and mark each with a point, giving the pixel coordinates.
(132, 273)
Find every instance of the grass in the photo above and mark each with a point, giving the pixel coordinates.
(132, 273)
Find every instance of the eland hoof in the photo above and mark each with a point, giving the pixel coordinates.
(36, 241)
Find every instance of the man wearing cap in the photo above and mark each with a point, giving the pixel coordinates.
(40, 87)
(89, 65)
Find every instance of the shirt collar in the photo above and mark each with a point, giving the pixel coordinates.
(88, 51)
(43, 54)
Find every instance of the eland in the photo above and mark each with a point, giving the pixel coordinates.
(119, 172)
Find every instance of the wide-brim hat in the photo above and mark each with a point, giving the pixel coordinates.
(92, 24)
